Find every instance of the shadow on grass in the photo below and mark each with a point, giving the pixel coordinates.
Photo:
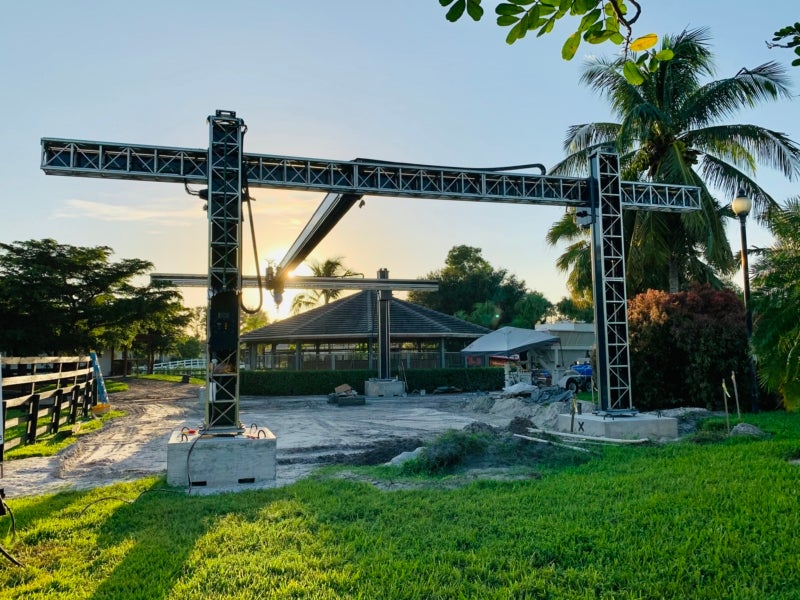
(156, 538)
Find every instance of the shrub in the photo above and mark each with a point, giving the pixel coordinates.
(302, 383)
(683, 345)
(449, 450)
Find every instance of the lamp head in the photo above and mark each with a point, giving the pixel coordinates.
(741, 204)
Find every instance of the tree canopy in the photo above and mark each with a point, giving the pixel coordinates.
(62, 299)
(330, 267)
(674, 128)
(788, 37)
(470, 288)
(776, 306)
(598, 22)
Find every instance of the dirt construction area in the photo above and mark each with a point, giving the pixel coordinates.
(310, 433)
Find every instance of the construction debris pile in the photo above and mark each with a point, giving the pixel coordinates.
(535, 393)
(344, 395)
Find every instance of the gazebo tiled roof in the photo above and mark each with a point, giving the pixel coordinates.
(355, 319)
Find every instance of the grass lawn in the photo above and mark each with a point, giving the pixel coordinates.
(175, 378)
(702, 518)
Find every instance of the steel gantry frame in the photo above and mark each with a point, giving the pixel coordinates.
(603, 194)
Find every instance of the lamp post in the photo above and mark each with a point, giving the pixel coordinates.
(741, 206)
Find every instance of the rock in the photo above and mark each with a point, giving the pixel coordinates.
(480, 427)
(405, 457)
(747, 429)
(521, 425)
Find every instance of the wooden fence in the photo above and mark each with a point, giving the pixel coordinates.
(43, 394)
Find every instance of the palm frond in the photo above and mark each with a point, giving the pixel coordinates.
(580, 137)
(605, 76)
(719, 142)
(672, 166)
(785, 222)
(677, 78)
(574, 254)
(640, 123)
(723, 98)
(728, 179)
(564, 230)
(576, 164)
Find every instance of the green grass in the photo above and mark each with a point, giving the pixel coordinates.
(113, 386)
(52, 444)
(683, 520)
(175, 378)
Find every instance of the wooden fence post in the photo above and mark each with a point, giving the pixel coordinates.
(2, 419)
(73, 408)
(87, 399)
(3, 413)
(55, 418)
(33, 419)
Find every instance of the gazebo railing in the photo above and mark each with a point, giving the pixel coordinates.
(345, 361)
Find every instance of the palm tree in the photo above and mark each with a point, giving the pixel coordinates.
(776, 304)
(576, 259)
(672, 130)
(330, 267)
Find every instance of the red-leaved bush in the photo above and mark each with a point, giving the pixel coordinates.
(683, 345)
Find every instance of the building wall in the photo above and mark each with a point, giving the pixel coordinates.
(577, 342)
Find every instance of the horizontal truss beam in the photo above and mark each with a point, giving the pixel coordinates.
(359, 177)
(307, 283)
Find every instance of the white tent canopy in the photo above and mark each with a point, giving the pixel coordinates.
(510, 340)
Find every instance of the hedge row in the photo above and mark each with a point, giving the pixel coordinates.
(314, 383)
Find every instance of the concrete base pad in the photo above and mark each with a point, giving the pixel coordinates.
(639, 426)
(221, 463)
(374, 388)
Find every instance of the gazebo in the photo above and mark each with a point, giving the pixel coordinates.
(344, 335)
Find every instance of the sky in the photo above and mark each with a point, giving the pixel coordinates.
(320, 79)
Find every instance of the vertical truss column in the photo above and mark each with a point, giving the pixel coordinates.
(225, 183)
(608, 277)
(384, 329)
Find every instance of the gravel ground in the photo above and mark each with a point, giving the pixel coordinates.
(310, 432)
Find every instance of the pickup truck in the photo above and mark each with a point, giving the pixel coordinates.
(577, 378)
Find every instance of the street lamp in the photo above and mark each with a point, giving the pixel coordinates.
(741, 206)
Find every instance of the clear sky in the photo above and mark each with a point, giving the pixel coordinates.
(321, 79)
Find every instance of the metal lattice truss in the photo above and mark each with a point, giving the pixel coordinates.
(356, 178)
(307, 283)
(225, 187)
(608, 257)
(227, 171)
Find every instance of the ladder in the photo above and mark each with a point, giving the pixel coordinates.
(98, 375)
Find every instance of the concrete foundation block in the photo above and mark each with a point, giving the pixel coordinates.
(221, 463)
(638, 426)
(374, 388)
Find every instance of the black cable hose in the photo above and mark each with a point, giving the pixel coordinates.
(246, 195)
(539, 166)
(3, 551)
(13, 560)
(246, 198)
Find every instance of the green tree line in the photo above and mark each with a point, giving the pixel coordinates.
(61, 299)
